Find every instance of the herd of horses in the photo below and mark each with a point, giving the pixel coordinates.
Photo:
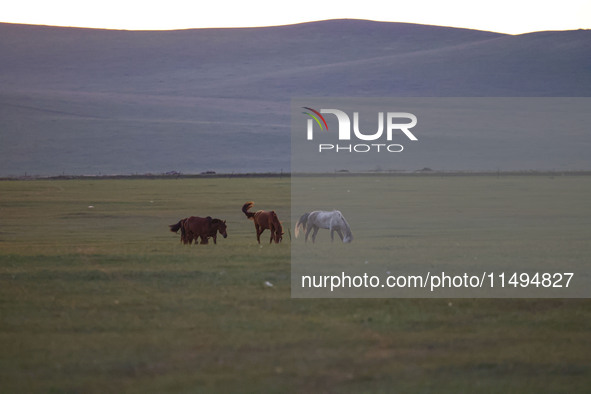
(197, 228)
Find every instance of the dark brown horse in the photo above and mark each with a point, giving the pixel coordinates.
(264, 220)
(195, 227)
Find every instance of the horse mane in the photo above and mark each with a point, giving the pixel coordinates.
(276, 221)
(275, 227)
(347, 227)
(246, 207)
(218, 222)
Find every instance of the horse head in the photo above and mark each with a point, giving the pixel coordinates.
(278, 236)
(220, 225)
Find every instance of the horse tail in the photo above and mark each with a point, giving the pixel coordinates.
(246, 207)
(184, 238)
(176, 227)
(301, 224)
(180, 226)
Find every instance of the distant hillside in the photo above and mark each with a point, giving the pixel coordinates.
(87, 101)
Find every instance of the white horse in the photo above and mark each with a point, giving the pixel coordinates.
(333, 221)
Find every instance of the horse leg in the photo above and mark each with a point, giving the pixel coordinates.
(187, 237)
(215, 239)
(340, 233)
(203, 240)
(308, 229)
(314, 234)
(259, 232)
(332, 230)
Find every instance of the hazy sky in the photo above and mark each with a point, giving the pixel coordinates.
(506, 16)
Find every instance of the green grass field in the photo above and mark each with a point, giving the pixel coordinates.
(452, 224)
(106, 299)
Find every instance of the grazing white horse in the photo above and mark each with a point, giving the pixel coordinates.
(333, 221)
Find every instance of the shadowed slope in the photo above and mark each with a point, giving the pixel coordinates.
(88, 101)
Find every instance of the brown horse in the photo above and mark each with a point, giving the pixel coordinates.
(195, 227)
(264, 220)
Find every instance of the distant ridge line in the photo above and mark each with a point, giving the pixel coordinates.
(295, 24)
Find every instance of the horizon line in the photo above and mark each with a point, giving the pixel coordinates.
(276, 26)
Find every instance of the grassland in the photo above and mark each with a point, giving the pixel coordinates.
(106, 299)
(476, 224)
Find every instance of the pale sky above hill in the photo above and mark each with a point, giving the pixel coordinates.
(505, 16)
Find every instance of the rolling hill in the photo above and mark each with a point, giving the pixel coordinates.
(89, 101)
